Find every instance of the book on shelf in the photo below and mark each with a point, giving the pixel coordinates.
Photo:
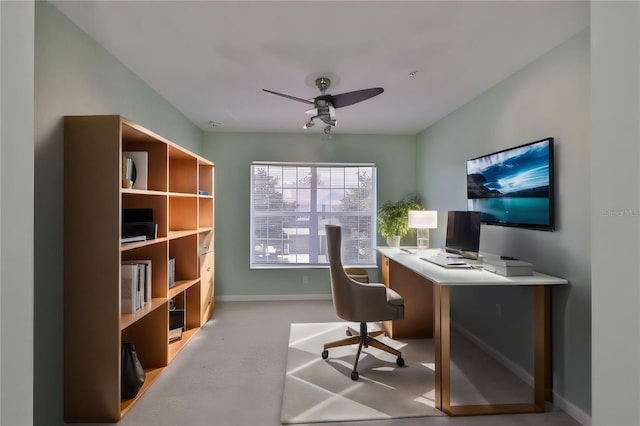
(139, 286)
(129, 288)
(172, 272)
(140, 161)
(147, 278)
(128, 172)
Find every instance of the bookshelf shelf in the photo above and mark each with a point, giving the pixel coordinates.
(174, 235)
(94, 194)
(138, 244)
(180, 287)
(176, 346)
(127, 319)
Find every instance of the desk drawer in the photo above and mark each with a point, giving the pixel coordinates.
(417, 293)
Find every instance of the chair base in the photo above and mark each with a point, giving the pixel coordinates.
(362, 339)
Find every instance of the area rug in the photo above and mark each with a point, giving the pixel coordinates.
(319, 390)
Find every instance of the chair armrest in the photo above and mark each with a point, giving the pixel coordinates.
(374, 302)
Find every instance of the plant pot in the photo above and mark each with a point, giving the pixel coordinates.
(393, 241)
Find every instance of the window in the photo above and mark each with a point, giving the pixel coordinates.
(292, 202)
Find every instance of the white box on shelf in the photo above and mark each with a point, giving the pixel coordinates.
(141, 163)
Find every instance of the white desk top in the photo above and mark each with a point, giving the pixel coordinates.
(461, 277)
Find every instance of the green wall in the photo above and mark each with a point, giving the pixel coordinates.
(16, 212)
(74, 75)
(233, 153)
(549, 97)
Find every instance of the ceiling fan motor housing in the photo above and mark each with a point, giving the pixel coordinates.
(325, 104)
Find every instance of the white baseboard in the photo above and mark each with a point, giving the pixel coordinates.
(271, 297)
(520, 372)
(583, 418)
(558, 401)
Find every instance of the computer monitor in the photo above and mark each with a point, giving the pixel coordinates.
(463, 233)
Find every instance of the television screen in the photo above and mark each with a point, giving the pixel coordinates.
(514, 187)
(463, 233)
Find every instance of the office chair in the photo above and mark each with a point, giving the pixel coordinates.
(359, 302)
(359, 274)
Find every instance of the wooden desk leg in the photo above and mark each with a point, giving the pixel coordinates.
(445, 337)
(437, 347)
(542, 345)
(541, 358)
(442, 347)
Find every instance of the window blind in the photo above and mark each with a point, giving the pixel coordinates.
(292, 202)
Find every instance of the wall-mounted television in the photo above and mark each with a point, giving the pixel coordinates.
(514, 187)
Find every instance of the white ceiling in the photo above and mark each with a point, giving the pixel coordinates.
(211, 59)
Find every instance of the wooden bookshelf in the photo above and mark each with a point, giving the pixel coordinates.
(180, 193)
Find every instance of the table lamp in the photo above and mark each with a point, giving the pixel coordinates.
(423, 220)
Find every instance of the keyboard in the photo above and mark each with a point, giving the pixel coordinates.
(447, 261)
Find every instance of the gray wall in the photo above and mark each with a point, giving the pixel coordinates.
(615, 207)
(233, 153)
(549, 97)
(16, 213)
(74, 75)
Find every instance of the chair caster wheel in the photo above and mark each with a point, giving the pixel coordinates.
(400, 362)
(354, 375)
(325, 354)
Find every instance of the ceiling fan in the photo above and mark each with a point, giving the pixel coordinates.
(324, 105)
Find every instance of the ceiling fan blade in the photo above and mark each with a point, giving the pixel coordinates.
(306, 101)
(350, 98)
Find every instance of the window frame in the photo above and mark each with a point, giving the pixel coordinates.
(315, 216)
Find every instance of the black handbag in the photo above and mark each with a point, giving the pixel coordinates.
(132, 373)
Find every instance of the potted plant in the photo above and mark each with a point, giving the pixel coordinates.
(393, 218)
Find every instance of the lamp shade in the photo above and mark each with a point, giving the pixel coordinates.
(422, 219)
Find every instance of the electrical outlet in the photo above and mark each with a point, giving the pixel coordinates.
(305, 279)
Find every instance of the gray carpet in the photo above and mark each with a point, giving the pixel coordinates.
(233, 373)
(318, 390)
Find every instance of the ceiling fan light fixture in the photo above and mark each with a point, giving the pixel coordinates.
(309, 123)
(327, 130)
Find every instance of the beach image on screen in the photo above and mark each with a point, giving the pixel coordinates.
(512, 186)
